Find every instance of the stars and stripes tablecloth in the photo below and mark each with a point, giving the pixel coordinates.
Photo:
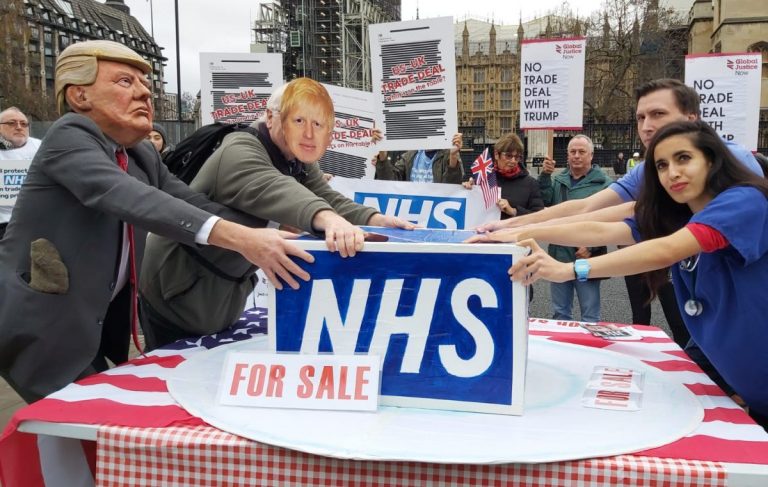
(131, 401)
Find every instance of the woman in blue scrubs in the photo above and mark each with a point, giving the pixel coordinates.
(704, 215)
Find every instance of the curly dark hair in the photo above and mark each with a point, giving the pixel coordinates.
(657, 214)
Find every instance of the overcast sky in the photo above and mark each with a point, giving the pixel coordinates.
(225, 25)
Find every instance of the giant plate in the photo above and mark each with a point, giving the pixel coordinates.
(554, 427)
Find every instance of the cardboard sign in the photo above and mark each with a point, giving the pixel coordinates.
(12, 175)
(336, 382)
(552, 83)
(413, 69)
(235, 87)
(450, 326)
(431, 205)
(729, 91)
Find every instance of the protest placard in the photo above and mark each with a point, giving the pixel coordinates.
(352, 145)
(729, 91)
(12, 175)
(552, 83)
(413, 68)
(235, 87)
(432, 205)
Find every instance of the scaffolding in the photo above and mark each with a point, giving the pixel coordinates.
(326, 40)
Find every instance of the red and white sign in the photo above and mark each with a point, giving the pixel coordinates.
(552, 83)
(335, 382)
(729, 91)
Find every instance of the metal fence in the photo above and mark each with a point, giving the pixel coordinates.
(609, 140)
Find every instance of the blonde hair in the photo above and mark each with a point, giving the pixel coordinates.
(305, 91)
(78, 65)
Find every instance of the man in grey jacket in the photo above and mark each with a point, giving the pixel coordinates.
(67, 292)
(271, 177)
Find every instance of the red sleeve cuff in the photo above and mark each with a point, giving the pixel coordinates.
(709, 238)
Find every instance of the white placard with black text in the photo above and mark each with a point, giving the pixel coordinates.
(413, 72)
(552, 83)
(235, 87)
(352, 147)
(729, 90)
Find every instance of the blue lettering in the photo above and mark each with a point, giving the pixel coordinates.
(13, 179)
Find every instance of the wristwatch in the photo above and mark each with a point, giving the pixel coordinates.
(581, 268)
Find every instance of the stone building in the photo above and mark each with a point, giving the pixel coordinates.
(36, 31)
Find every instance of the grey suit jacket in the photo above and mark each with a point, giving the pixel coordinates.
(77, 197)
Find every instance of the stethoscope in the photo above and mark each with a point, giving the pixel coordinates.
(693, 306)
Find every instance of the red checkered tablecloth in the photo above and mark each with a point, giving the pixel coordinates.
(204, 456)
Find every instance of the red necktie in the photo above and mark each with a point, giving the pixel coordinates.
(122, 161)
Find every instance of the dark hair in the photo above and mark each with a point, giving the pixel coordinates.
(509, 142)
(657, 214)
(686, 97)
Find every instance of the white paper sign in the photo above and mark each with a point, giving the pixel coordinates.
(235, 87)
(12, 175)
(432, 205)
(615, 388)
(297, 381)
(413, 68)
(552, 83)
(352, 148)
(729, 90)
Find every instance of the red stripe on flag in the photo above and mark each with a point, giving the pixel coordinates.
(700, 447)
(126, 382)
(705, 389)
(20, 459)
(732, 415)
(169, 361)
(674, 365)
(104, 412)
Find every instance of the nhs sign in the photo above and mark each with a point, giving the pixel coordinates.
(431, 205)
(428, 211)
(449, 326)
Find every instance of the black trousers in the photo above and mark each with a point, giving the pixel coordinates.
(158, 331)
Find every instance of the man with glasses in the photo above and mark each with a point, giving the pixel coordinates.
(15, 145)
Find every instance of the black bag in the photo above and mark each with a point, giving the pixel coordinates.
(191, 153)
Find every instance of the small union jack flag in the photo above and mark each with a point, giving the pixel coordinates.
(485, 177)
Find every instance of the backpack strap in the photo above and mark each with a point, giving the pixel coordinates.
(215, 270)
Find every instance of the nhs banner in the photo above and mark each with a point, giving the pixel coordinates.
(449, 326)
(431, 205)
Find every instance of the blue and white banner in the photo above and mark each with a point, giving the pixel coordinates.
(448, 324)
(432, 205)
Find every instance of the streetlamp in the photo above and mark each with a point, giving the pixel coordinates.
(178, 61)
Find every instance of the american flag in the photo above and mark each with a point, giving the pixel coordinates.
(485, 177)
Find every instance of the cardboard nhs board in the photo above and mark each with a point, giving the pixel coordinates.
(449, 325)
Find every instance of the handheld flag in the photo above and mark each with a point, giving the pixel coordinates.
(485, 177)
